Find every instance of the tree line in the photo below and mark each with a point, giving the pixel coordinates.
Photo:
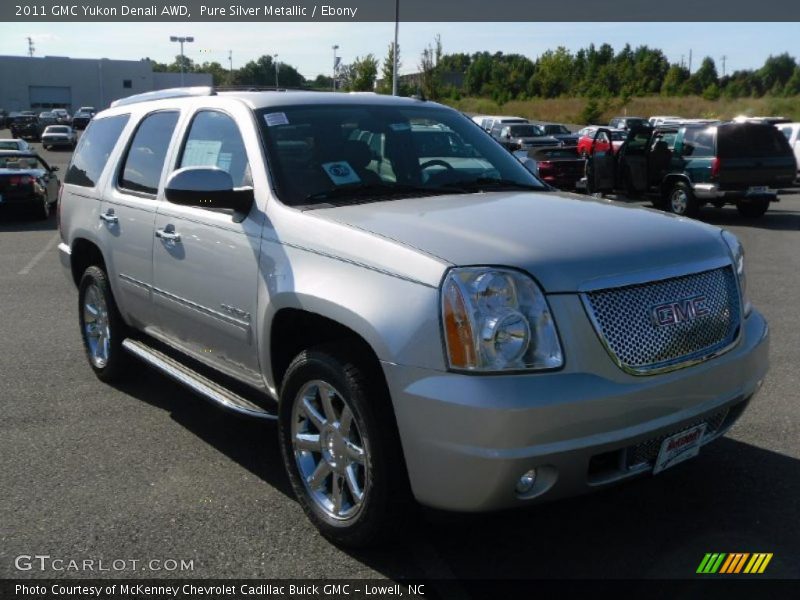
(594, 72)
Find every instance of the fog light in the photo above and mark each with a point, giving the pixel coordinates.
(525, 483)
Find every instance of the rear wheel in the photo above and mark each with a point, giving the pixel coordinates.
(753, 209)
(681, 200)
(340, 447)
(102, 327)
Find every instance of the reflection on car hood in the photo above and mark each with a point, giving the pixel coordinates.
(565, 241)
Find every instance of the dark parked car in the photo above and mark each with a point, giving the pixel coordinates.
(45, 119)
(3, 118)
(520, 136)
(684, 167)
(26, 127)
(560, 132)
(562, 166)
(27, 182)
(82, 117)
(628, 122)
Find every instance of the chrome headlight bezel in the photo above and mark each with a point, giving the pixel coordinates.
(497, 320)
(736, 251)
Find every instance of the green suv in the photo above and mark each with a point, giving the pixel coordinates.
(683, 167)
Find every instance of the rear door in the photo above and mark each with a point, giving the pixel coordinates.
(206, 261)
(128, 213)
(753, 155)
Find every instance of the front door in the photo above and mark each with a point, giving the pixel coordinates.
(602, 162)
(205, 261)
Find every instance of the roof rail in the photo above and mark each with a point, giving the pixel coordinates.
(182, 92)
(259, 88)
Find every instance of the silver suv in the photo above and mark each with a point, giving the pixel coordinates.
(424, 318)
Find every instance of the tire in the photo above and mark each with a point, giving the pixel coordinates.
(104, 351)
(42, 211)
(681, 200)
(367, 459)
(753, 209)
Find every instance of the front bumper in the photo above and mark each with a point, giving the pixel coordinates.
(712, 191)
(468, 438)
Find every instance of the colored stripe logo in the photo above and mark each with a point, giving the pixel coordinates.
(734, 563)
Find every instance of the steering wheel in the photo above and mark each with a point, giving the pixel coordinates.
(436, 162)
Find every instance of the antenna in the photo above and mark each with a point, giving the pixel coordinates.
(690, 61)
(31, 47)
(723, 58)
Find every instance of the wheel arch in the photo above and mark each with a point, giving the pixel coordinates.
(85, 253)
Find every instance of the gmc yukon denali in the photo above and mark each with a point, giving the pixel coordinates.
(426, 322)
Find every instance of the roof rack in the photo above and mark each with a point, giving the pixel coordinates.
(183, 92)
(259, 88)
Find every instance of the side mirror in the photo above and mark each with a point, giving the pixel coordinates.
(207, 187)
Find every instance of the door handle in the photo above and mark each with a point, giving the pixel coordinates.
(109, 217)
(168, 234)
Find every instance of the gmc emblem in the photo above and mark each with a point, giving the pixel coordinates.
(679, 311)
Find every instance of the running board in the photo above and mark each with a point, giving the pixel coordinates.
(195, 381)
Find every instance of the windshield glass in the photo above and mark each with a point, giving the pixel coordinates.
(57, 130)
(526, 130)
(555, 129)
(9, 145)
(318, 152)
(20, 161)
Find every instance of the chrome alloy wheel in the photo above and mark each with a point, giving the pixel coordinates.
(679, 201)
(330, 450)
(96, 326)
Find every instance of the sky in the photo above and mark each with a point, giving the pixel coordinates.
(307, 46)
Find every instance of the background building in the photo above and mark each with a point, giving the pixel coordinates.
(40, 83)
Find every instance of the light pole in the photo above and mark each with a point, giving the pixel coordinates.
(335, 48)
(394, 49)
(182, 39)
(274, 59)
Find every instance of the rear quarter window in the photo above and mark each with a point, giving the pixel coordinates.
(751, 141)
(93, 151)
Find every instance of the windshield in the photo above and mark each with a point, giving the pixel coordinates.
(526, 131)
(320, 152)
(9, 145)
(20, 161)
(555, 130)
(57, 130)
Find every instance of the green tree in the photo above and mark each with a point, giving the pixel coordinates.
(387, 70)
(553, 73)
(430, 75)
(792, 87)
(777, 70)
(365, 71)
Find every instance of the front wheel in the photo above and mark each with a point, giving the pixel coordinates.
(682, 201)
(102, 327)
(753, 209)
(340, 447)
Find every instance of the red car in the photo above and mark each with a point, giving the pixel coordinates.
(602, 144)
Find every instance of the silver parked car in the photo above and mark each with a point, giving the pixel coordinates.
(425, 322)
(55, 136)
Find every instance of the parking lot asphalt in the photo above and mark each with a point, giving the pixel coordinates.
(147, 471)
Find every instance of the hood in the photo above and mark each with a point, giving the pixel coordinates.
(567, 242)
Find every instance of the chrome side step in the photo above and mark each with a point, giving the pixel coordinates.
(195, 381)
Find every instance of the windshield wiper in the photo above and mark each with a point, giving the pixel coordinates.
(363, 191)
(490, 183)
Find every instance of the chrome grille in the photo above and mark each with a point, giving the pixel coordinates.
(623, 318)
(646, 452)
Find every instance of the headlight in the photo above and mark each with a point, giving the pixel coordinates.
(496, 320)
(737, 255)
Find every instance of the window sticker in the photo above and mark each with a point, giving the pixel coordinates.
(276, 118)
(201, 153)
(341, 172)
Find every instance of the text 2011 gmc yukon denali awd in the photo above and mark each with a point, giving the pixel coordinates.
(423, 316)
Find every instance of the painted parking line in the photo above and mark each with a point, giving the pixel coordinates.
(35, 260)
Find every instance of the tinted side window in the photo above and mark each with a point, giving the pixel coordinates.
(94, 149)
(144, 161)
(214, 140)
(698, 143)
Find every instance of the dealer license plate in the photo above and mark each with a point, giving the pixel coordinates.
(679, 447)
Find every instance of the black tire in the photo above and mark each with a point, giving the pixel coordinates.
(359, 386)
(681, 200)
(753, 209)
(114, 367)
(42, 210)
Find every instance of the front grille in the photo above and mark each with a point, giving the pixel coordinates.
(645, 453)
(625, 319)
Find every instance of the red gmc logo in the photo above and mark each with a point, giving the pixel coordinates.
(679, 311)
